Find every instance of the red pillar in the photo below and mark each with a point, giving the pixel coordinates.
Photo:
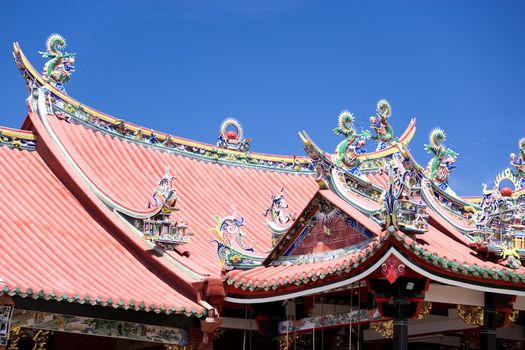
(197, 340)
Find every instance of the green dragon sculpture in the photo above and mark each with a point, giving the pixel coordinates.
(348, 150)
(384, 132)
(442, 164)
(59, 68)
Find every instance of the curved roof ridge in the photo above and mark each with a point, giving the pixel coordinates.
(123, 176)
(176, 275)
(26, 134)
(60, 235)
(73, 109)
(433, 253)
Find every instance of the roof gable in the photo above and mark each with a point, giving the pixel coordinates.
(330, 231)
(327, 227)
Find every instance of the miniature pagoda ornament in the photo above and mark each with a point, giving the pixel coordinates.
(518, 163)
(348, 150)
(278, 218)
(384, 132)
(160, 228)
(59, 68)
(443, 163)
(230, 136)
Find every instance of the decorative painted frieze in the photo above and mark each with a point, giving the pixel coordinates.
(17, 139)
(329, 320)
(100, 327)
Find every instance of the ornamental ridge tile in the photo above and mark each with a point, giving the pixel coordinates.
(70, 110)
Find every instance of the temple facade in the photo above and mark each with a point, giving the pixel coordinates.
(137, 239)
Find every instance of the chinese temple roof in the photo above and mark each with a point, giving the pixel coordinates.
(437, 253)
(221, 214)
(123, 173)
(54, 249)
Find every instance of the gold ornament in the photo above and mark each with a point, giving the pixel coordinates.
(506, 175)
(285, 341)
(218, 332)
(471, 314)
(386, 328)
(173, 347)
(424, 310)
(40, 339)
(14, 337)
(513, 316)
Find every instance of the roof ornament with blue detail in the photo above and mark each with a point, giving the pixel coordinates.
(350, 157)
(443, 162)
(230, 136)
(278, 218)
(500, 222)
(500, 225)
(232, 250)
(347, 151)
(165, 194)
(402, 208)
(384, 134)
(61, 65)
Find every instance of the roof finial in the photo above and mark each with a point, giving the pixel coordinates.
(59, 68)
(230, 136)
(348, 150)
(384, 132)
(441, 165)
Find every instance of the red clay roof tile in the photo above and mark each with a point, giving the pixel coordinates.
(53, 248)
(126, 173)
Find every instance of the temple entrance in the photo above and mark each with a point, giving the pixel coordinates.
(376, 314)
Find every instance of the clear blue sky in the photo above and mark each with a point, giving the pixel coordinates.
(280, 66)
